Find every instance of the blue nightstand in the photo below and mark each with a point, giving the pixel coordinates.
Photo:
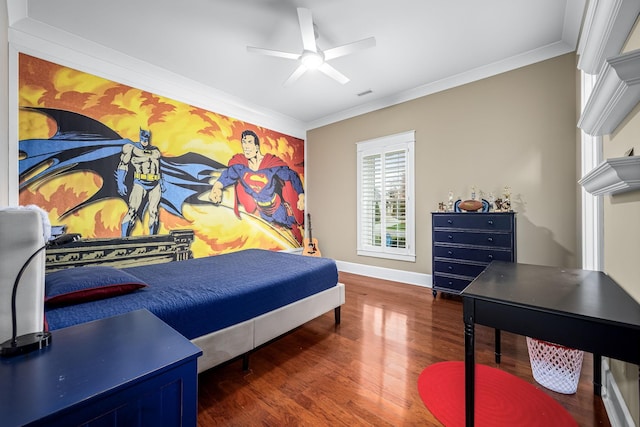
(127, 370)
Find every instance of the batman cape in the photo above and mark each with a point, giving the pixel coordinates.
(84, 144)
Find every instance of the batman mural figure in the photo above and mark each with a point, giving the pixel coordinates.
(148, 182)
(84, 144)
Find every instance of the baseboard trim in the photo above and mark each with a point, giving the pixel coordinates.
(617, 410)
(418, 279)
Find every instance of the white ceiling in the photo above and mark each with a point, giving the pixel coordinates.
(422, 45)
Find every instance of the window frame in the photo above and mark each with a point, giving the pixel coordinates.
(592, 206)
(405, 142)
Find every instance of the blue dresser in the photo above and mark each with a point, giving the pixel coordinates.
(128, 370)
(465, 243)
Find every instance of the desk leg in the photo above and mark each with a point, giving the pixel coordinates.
(597, 374)
(469, 361)
(497, 344)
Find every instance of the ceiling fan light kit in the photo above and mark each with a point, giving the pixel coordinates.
(312, 57)
(312, 60)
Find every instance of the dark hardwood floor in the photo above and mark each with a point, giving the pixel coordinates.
(365, 370)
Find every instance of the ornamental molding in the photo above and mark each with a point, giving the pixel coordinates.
(606, 28)
(616, 93)
(613, 176)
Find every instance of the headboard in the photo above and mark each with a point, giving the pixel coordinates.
(125, 252)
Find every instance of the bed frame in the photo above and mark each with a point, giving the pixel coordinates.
(219, 346)
(240, 339)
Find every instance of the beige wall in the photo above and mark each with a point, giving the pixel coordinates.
(622, 237)
(516, 129)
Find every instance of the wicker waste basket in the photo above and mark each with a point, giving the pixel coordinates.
(554, 366)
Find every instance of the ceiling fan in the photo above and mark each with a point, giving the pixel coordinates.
(312, 57)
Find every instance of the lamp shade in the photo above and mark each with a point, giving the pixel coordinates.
(21, 234)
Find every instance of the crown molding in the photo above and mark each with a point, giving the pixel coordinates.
(528, 58)
(606, 28)
(613, 176)
(616, 93)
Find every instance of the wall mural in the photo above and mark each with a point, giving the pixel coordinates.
(116, 163)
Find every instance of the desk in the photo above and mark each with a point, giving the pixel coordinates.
(127, 370)
(581, 309)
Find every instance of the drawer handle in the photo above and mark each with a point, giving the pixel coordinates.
(450, 252)
(490, 239)
(450, 237)
(450, 268)
(449, 221)
(490, 256)
(450, 283)
(490, 222)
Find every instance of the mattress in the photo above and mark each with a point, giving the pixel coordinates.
(202, 295)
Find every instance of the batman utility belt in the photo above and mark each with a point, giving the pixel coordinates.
(146, 176)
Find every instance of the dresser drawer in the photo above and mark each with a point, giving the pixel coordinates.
(458, 268)
(473, 254)
(450, 284)
(473, 221)
(498, 240)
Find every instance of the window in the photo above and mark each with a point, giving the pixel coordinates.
(386, 225)
(592, 206)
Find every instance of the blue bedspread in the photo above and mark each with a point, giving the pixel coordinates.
(202, 295)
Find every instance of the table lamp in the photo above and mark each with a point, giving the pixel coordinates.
(24, 234)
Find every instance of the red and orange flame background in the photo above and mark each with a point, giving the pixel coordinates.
(177, 128)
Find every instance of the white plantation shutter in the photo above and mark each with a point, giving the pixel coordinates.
(385, 197)
(371, 200)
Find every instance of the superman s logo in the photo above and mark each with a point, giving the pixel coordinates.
(257, 181)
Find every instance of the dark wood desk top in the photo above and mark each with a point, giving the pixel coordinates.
(572, 292)
(582, 309)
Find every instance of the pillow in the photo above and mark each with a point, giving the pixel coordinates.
(84, 284)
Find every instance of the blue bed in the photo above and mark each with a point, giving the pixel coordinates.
(250, 296)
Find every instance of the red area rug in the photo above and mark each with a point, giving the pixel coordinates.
(501, 398)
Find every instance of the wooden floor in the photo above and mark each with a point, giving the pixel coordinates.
(364, 371)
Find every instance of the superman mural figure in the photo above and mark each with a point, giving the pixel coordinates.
(264, 184)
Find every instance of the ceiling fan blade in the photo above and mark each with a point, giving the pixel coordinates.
(348, 48)
(306, 29)
(333, 73)
(270, 52)
(295, 75)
